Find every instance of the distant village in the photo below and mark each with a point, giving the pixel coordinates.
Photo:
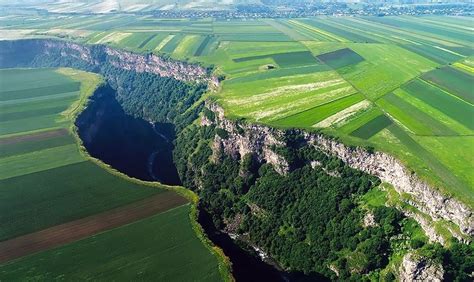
(315, 9)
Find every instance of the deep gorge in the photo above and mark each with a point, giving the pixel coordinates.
(265, 187)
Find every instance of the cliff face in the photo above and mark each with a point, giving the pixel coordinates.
(415, 268)
(258, 140)
(390, 170)
(90, 57)
(242, 138)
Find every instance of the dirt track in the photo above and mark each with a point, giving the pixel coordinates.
(78, 229)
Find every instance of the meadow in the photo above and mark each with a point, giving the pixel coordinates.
(354, 77)
(43, 185)
(401, 85)
(162, 247)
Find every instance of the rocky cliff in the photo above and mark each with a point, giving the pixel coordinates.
(416, 268)
(257, 139)
(50, 52)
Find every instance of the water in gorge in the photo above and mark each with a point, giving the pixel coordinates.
(143, 150)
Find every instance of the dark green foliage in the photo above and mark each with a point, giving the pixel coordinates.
(209, 114)
(222, 133)
(457, 261)
(303, 219)
(151, 97)
(372, 127)
(341, 58)
(143, 95)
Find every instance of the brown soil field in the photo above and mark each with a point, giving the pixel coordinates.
(79, 229)
(34, 136)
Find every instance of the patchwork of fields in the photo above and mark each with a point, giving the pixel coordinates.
(403, 85)
(43, 187)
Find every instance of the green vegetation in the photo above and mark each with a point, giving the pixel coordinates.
(69, 194)
(453, 107)
(312, 116)
(341, 58)
(415, 73)
(372, 127)
(317, 225)
(43, 184)
(162, 247)
(273, 78)
(453, 81)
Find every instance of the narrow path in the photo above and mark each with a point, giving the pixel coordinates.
(85, 227)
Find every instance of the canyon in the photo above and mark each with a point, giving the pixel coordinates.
(243, 138)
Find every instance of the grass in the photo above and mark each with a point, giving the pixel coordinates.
(188, 46)
(455, 153)
(35, 161)
(453, 81)
(279, 97)
(450, 184)
(62, 194)
(413, 118)
(162, 247)
(376, 197)
(359, 120)
(341, 58)
(453, 107)
(46, 179)
(385, 68)
(372, 127)
(171, 45)
(34, 144)
(278, 73)
(39, 91)
(313, 116)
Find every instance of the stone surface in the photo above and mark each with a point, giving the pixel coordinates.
(258, 140)
(416, 268)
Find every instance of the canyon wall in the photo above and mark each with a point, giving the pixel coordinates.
(257, 139)
(242, 138)
(51, 52)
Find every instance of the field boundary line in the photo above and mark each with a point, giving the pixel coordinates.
(224, 263)
(79, 229)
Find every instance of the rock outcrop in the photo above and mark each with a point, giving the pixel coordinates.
(391, 170)
(416, 268)
(258, 139)
(52, 52)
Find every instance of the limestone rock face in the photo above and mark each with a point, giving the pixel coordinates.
(390, 170)
(415, 268)
(258, 139)
(91, 57)
(246, 139)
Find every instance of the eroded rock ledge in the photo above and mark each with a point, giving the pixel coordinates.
(53, 52)
(257, 139)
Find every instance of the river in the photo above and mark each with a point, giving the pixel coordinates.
(143, 150)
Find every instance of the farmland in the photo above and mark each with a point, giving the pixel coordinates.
(149, 249)
(311, 73)
(401, 85)
(43, 187)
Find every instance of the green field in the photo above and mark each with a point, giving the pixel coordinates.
(43, 184)
(454, 81)
(413, 74)
(163, 247)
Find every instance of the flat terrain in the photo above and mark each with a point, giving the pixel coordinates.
(53, 195)
(82, 228)
(162, 247)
